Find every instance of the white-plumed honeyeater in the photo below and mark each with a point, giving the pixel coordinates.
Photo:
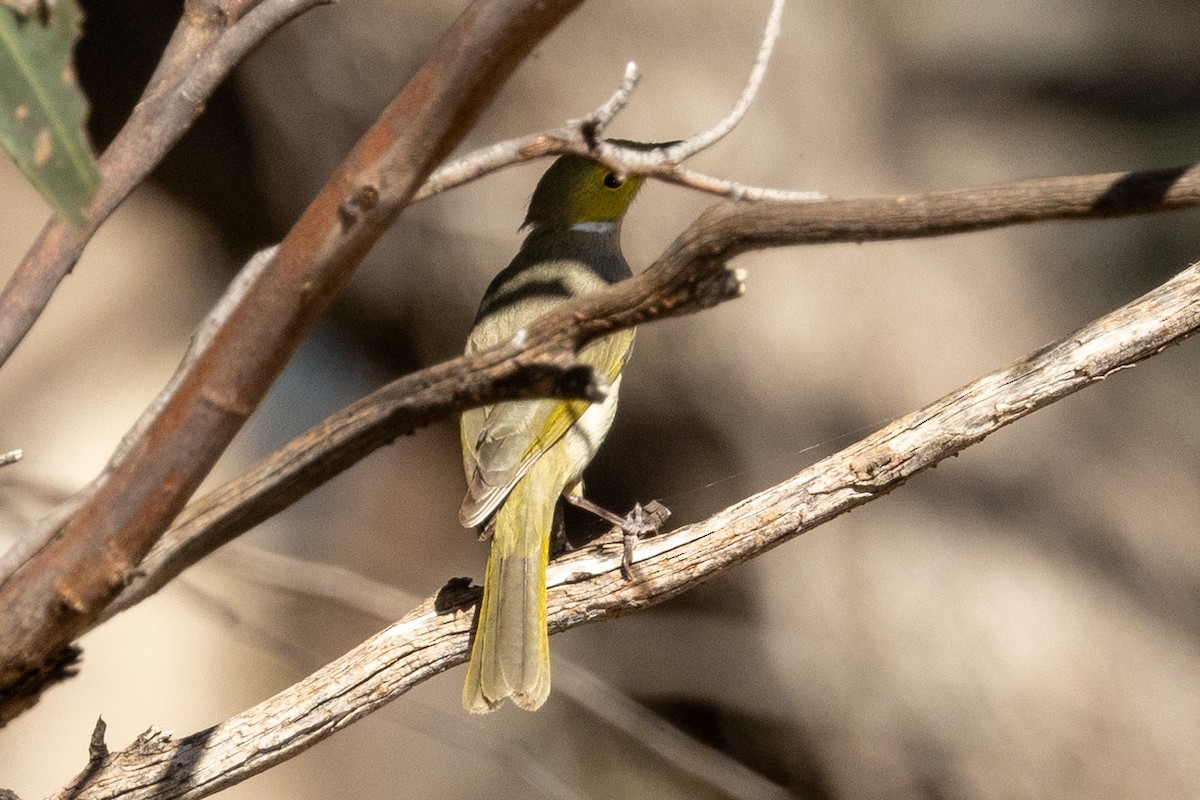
(521, 456)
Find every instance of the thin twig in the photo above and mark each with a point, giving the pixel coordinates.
(11, 457)
(658, 736)
(675, 284)
(317, 579)
(573, 136)
(586, 585)
(582, 137)
(733, 190)
(594, 124)
(678, 153)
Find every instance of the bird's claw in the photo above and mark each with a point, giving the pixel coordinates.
(641, 522)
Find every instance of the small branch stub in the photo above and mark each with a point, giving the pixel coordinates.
(365, 198)
(97, 749)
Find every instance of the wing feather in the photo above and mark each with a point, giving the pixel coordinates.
(509, 437)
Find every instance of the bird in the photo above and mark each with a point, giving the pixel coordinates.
(521, 456)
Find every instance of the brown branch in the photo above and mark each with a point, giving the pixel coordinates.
(689, 277)
(66, 584)
(586, 585)
(394, 410)
(919, 215)
(211, 38)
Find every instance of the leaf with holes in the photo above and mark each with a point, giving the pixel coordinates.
(41, 108)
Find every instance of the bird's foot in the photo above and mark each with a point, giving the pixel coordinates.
(642, 522)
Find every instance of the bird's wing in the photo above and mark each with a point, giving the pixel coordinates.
(509, 437)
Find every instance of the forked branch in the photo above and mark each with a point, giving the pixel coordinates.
(583, 137)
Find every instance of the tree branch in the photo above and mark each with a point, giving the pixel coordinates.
(586, 585)
(690, 276)
(66, 584)
(47, 529)
(99, 555)
(357, 592)
(677, 153)
(582, 137)
(511, 371)
(212, 37)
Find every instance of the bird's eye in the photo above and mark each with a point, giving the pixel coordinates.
(613, 181)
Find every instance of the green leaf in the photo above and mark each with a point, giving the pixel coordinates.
(41, 108)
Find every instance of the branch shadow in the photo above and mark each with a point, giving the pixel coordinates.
(1140, 192)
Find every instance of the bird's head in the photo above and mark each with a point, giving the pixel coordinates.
(578, 190)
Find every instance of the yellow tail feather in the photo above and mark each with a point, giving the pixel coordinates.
(511, 653)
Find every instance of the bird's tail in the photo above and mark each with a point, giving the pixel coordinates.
(511, 653)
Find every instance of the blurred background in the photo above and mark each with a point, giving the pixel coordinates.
(1021, 622)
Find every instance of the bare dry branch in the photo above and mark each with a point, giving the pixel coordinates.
(582, 137)
(586, 585)
(733, 190)
(353, 590)
(212, 37)
(596, 122)
(568, 138)
(689, 147)
(689, 277)
(66, 584)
